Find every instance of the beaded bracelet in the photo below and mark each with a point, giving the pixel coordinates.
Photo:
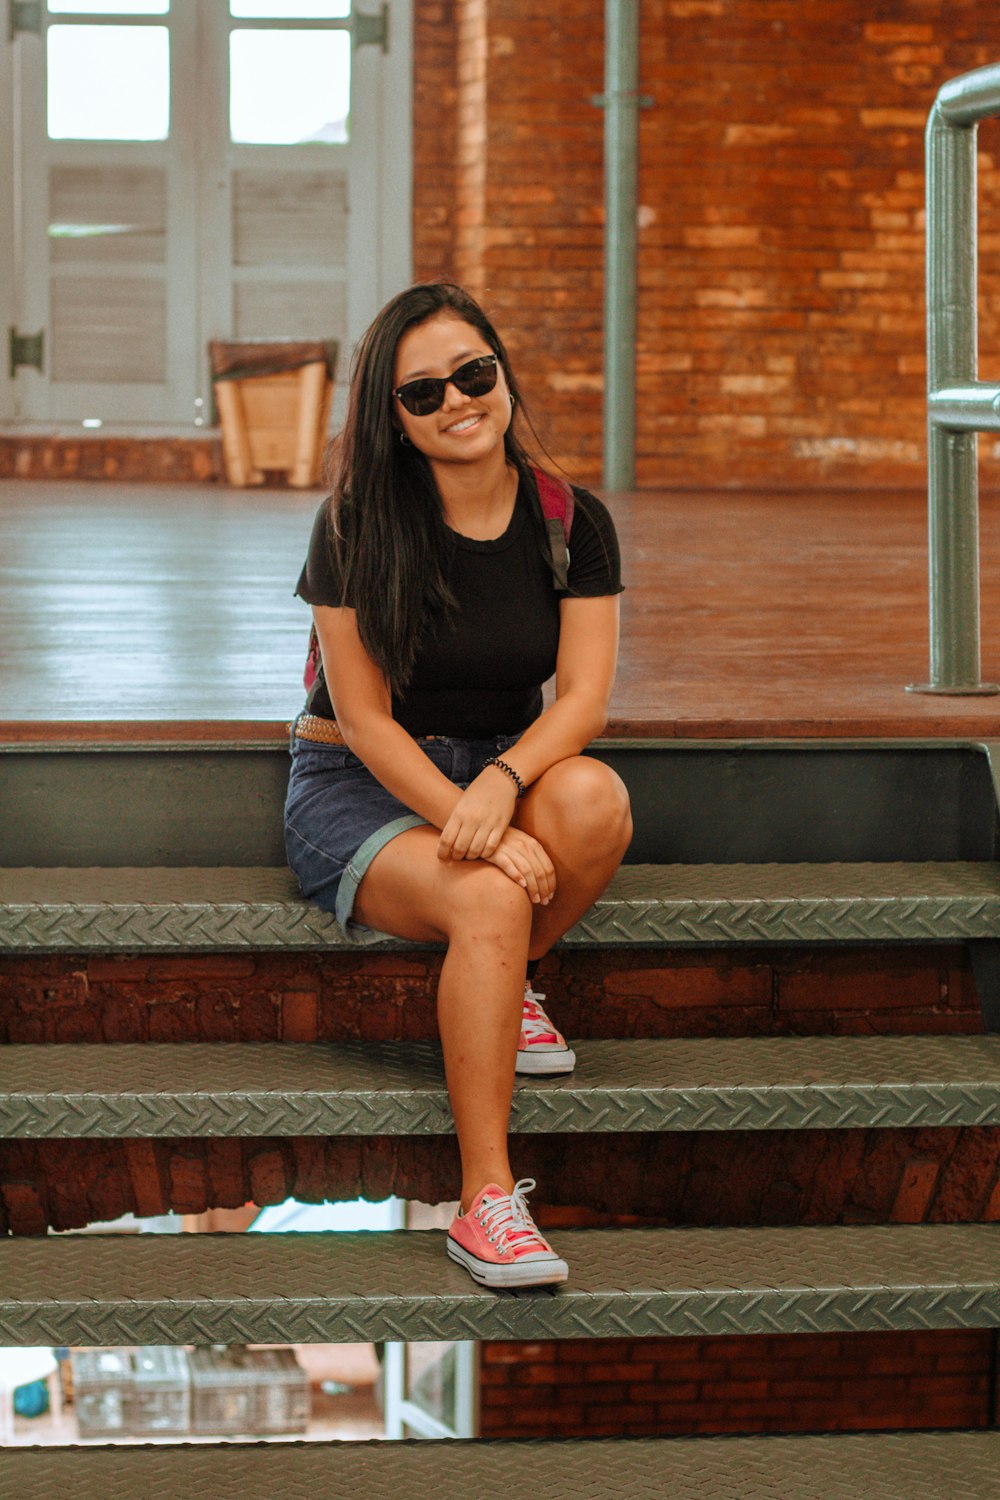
(503, 766)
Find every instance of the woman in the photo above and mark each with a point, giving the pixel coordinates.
(431, 797)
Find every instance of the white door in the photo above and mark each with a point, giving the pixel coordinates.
(432, 1390)
(196, 169)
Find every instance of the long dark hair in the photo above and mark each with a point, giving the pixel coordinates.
(386, 526)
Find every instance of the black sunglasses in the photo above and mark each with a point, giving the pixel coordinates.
(423, 396)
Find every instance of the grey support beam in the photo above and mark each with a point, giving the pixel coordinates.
(621, 102)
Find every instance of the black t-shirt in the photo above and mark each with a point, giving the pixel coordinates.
(482, 674)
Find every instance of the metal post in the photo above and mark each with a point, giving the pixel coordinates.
(621, 202)
(958, 406)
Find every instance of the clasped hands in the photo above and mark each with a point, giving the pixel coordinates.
(480, 827)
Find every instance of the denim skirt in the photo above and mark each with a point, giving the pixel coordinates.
(338, 816)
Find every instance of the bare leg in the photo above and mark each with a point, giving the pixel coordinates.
(579, 811)
(485, 918)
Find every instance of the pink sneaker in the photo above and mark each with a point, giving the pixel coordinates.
(498, 1242)
(542, 1049)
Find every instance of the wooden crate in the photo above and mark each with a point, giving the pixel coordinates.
(273, 418)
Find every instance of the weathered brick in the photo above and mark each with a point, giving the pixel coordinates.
(299, 1015)
(23, 1208)
(268, 1177)
(915, 1191)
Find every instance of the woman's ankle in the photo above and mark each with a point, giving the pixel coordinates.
(503, 1180)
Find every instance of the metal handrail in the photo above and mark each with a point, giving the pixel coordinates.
(959, 405)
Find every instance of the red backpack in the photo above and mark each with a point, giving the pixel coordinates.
(557, 507)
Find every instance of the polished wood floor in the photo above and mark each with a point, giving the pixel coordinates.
(149, 611)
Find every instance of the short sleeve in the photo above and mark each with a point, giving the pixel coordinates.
(320, 581)
(594, 555)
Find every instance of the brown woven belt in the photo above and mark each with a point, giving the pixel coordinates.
(327, 731)
(324, 731)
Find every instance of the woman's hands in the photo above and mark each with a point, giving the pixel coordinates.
(480, 828)
(526, 862)
(480, 816)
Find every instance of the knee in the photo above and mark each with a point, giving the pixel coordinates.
(590, 800)
(486, 904)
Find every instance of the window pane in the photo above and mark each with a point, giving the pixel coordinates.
(310, 10)
(109, 83)
(289, 87)
(110, 7)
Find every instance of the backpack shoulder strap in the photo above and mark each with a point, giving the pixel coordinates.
(314, 662)
(558, 504)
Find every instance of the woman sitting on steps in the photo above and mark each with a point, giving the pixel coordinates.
(431, 795)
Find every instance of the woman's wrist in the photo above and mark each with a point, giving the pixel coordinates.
(508, 770)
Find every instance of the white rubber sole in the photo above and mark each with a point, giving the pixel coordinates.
(486, 1273)
(531, 1061)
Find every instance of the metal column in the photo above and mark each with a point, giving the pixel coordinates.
(958, 405)
(621, 155)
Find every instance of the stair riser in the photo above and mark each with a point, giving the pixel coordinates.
(704, 1178)
(341, 996)
(754, 802)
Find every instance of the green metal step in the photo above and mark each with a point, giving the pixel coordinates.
(233, 909)
(298, 1089)
(877, 1466)
(337, 1288)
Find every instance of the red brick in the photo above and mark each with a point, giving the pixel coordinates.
(299, 1016)
(147, 1184)
(675, 1391)
(269, 1177)
(915, 1192)
(23, 1208)
(187, 1182)
(682, 986)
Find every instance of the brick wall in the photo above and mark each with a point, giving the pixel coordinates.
(805, 1383)
(781, 243)
(342, 996)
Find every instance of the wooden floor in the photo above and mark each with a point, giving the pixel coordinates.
(153, 611)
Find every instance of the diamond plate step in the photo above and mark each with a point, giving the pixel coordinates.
(278, 1089)
(337, 1288)
(232, 909)
(878, 1466)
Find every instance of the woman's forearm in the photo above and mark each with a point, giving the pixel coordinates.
(397, 761)
(564, 729)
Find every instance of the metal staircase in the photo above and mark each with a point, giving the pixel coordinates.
(917, 1466)
(636, 1282)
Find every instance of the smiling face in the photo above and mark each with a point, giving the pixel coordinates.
(465, 429)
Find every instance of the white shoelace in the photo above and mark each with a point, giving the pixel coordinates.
(506, 1218)
(535, 1024)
